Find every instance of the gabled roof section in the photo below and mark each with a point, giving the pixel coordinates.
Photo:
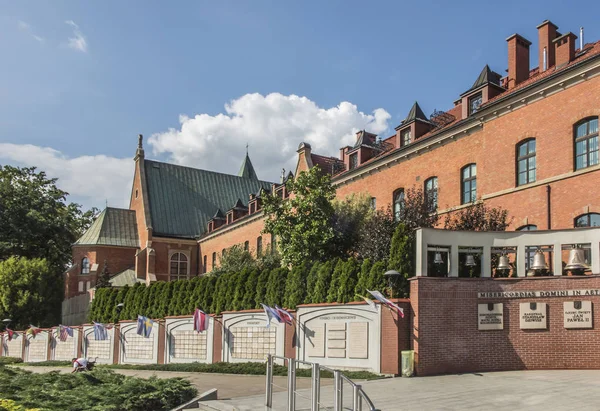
(487, 76)
(183, 199)
(126, 277)
(113, 226)
(247, 169)
(218, 215)
(239, 205)
(415, 113)
(329, 165)
(365, 139)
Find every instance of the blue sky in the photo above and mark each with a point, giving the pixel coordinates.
(81, 79)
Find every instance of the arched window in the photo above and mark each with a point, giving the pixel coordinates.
(588, 220)
(528, 227)
(214, 261)
(468, 183)
(246, 245)
(398, 203)
(178, 269)
(204, 263)
(431, 193)
(586, 143)
(258, 246)
(85, 265)
(526, 165)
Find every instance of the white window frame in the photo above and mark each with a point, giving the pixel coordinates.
(187, 255)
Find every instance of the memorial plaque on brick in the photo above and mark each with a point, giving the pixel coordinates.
(533, 316)
(577, 314)
(490, 316)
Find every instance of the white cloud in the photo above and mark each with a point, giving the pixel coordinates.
(272, 125)
(78, 41)
(91, 180)
(25, 27)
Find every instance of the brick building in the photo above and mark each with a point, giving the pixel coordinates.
(527, 142)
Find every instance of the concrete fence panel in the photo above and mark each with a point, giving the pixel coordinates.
(137, 349)
(14, 347)
(64, 350)
(103, 350)
(184, 345)
(36, 348)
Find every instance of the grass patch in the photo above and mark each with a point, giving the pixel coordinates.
(10, 360)
(101, 389)
(48, 364)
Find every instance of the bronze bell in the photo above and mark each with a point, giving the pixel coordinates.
(438, 258)
(577, 260)
(503, 263)
(470, 262)
(539, 261)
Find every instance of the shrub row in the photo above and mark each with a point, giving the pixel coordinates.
(332, 281)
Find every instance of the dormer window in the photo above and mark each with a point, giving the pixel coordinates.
(406, 137)
(353, 161)
(475, 102)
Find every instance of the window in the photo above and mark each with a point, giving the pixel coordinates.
(526, 162)
(259, 246)
(85, 265)
(214, 261)
(178, 266)
(223, 252)
(529, 251)
(586, 143)
(353, 161)
(88, 285)
(528, 227)
(588, 220)
(80, 286)
(252, 208)
(431, 193)
(246, 245)
(475, 102)
(136, 193)
(405, 137)
(398, 202)
(204, 263)
(373, 203)
(469, 184)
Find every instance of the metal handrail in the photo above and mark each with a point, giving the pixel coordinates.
(358, 394)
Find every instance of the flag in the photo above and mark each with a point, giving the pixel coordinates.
(284, 315)
(64, 332)
(379, 297)
(11, 334)
(33, 330)
(100, 332)
(271, 314)
(144, 326)
(200, 320)
(368, 301)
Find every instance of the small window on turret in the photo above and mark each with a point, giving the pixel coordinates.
(475, 102)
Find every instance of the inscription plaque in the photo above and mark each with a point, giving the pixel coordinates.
(533, 316)
(490, 316)
(358, 340)
(577, 314)
(316, 344)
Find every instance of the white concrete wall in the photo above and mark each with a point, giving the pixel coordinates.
(137, 349)
(14, 347)
(36, 348)
(344, 336)
(63, 350)
(102, 350)
(452, 240)
(184, 345)
(246, 338)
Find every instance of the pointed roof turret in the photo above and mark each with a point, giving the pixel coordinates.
(415, 113)
(239, 205)
(486, 76)
(219, 215)
(247, 170)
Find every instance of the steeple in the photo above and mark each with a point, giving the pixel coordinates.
(247, 170)
(415, 113)
(139, 153)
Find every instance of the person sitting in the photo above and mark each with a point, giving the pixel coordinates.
(79, 364)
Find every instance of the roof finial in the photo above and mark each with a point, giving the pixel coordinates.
(140, 139)
(139, 153)
(246, 148)
(282, 175)
(106, 202)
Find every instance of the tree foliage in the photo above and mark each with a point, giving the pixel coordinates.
(349, 220)
(104, 277)
(376, 236)
(29, 292)
(478, 217)
(402, 258)
(302, 222)
(416, 210)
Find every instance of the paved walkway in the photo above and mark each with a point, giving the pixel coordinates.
(500, 391)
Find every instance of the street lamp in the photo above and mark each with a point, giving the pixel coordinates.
(391, 276)
(6, 322)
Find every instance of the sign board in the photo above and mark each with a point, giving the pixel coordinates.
(537, 294)
(577, 314)
(533, 316)
(490, 316)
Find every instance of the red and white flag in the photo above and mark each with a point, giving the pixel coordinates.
(200, 320)
(379, 297)
(284, 315)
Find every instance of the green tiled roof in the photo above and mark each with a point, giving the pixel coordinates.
(113, 226)
(247, 170)
(124, 278)
(183, 199)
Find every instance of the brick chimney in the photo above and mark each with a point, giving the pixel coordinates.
(547, 32)
(518, 59)
(565, 49)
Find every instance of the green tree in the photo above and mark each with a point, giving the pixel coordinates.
(234, 260)
(402, 257)
(416, 210)
(249, 297)
(295, 287)
(363, 279)
(276, 286)
(302, 222)
(349, 219)
(104, 277)
(347, 281)
(239, 288)
(29, 292)
(376, 279)
(322, 284)
(376, 236)
(261, 286)
(311, 281)
(334, 284)
(478, 217)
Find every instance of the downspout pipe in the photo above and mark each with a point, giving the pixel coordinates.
(549, 206)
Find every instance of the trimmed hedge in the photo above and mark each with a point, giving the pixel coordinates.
(333, 281)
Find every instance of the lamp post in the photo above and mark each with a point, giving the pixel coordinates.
(118, 308)
(391, 276)
(6, 322)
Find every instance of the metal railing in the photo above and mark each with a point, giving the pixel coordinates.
(359, 397)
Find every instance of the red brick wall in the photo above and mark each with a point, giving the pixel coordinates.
(290, 338)
(117, 343)
(164, 249)
(446, 338)
(162, 337)
(395, 336)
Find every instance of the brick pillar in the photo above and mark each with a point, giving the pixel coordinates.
(518, 59)
(79, 342)
(117, 343)
(290, 339)
(546, 34)
(565, 49)
(162, 339)
(217, 339)
(395, 337)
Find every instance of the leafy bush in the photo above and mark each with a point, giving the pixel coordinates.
(101, 389)
(10, 360)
